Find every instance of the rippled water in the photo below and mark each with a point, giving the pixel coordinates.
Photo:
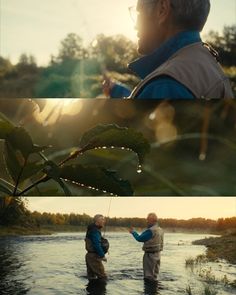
(55, 265)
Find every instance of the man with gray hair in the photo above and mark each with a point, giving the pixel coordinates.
(176, 63)
(96, 249)
(152, 238)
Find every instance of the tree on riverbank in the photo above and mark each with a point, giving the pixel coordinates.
(17, 213)
(170, 223)
(13, 211)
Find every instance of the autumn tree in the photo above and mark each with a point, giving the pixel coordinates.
(225, 44)
(13, 211)
(71, 48)
(114, 52)
(5, 67)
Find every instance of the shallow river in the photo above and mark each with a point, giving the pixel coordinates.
(55, 265)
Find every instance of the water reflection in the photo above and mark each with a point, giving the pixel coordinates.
(10, 270)
(46, 265)
(96, 287)
(151, 287)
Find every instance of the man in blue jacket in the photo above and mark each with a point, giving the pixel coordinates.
(152, 239)
(175, 62)
(95, 252)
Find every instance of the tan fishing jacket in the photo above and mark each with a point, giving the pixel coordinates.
(196, 67)
(155, 244)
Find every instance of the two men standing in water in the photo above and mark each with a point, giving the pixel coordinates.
(96, 246)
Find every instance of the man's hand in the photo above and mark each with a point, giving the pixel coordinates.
(107, 85)
(131, 229)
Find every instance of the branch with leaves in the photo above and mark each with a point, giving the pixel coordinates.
(19, 147)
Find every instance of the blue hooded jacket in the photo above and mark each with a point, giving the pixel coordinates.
(144, 236)
(94, 234)
(164, 86)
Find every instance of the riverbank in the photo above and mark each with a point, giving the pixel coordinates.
(22, 231)
(48, 230)
(223, 247)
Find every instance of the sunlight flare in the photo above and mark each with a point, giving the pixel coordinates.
(56, 108)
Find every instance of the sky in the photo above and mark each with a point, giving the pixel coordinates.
(37, 27)
(173, 207)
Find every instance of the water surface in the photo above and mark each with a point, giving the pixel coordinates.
(55, 265)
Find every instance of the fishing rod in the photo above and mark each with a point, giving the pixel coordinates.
(104, 242)
(108, 213)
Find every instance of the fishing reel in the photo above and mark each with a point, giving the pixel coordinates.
(105, 245)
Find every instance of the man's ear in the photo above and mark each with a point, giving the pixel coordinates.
(163, 10)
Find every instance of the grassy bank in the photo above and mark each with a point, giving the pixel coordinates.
(48, 230)
(223, 247)
(22, 231)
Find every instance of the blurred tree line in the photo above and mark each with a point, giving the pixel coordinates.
(13, 211)
(84, 219)
(77, 70)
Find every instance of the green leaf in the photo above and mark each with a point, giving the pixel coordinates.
(97, 178)
(5, 126)
(6, 188)
(112, 136)
(20, 140)
(53, 171)
(15, 161)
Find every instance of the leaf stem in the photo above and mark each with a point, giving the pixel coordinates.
(43, 179)
(19, 176)
(46, 178)
(74, 155)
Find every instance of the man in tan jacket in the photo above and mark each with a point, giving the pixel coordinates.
(152, 239)
(175, 63)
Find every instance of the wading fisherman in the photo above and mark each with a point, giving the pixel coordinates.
(152, 238)
(96, 247)
(175, 63)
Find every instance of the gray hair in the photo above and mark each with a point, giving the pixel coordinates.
(153, 216)
(190, 14)
(97, 217)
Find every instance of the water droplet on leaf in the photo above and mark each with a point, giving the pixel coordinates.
(202, 157)
(139, 170)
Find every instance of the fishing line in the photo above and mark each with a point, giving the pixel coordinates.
(108, 213)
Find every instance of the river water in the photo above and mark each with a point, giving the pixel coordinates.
(55, 265)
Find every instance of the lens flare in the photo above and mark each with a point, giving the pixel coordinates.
(56, 108)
